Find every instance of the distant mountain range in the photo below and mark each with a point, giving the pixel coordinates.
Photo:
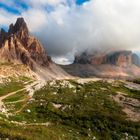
(117, 64)
(118, 58)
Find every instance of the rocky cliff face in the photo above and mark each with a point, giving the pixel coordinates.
(17, 45)
(119, 64)
(119, 58)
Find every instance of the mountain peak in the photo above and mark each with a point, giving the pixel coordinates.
(19, 26)
(18, 45)
(20, 30)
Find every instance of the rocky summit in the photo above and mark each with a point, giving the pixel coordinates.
(17, 45)
(117, 58)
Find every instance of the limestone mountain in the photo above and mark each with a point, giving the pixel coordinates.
(18, 45)
(117, 64)
(118, 58)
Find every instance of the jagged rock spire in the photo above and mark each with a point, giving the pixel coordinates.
(19, 26)
(18, 45)
(19, 29)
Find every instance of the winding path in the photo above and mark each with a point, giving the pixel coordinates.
(31, 88)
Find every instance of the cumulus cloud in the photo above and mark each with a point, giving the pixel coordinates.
(65, 28)
(4, 20)
(36, 20)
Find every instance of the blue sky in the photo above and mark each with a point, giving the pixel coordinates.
(17, 7)
(13, 6)
(79, 2)
(9, 8)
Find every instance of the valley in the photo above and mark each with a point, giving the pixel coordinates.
(80, 109)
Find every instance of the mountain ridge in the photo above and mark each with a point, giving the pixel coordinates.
(119, 58)
(117, 64)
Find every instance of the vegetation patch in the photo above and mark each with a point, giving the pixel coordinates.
(22, 95)
(10, 87)
(75, 111)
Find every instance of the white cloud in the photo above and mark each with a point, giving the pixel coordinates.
(6, 17)
(39, 3)
(36, 19)
(62, 60)
(97, 24)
